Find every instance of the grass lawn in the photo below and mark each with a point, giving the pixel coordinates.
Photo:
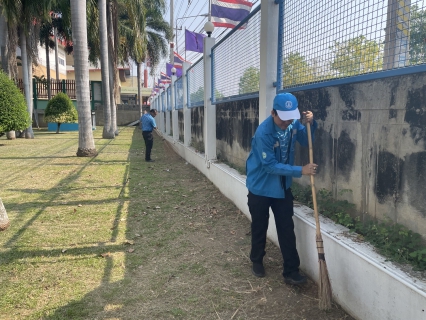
(115, 237)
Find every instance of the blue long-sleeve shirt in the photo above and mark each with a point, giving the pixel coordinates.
(265, 165)
(147, 122)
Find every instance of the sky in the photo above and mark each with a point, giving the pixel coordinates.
(188, 15)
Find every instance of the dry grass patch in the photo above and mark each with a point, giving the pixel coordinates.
(114, 237)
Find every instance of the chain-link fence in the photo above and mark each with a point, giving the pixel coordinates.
(179, 93)
(163, 101)
(235, 61)
(195, 77)
(326, 40)
(169, 98)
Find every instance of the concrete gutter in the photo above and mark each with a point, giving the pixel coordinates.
(364, 284)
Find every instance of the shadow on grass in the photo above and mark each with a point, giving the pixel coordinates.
(50, 198)
(109, 293)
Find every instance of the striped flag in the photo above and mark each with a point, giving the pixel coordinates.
(164, 78)
(178, 60)
(229, 13)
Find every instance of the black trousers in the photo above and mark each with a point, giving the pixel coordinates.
(149, 142)
(283, 213)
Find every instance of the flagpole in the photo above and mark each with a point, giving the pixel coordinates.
(210, 11)
(173, 29)
(184, 32)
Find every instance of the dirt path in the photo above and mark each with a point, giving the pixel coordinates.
(191, 261)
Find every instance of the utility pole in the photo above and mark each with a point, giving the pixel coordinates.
(172, 25)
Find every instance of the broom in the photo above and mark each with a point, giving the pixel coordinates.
(324, 290)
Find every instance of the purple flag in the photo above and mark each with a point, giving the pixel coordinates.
(169, 67)
(194, 41)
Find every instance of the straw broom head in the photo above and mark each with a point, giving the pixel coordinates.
(324, 288)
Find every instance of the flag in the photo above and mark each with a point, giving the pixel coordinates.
(178, 60)
(229, 13)
(169, 67)
(194, 41)
(164, 78)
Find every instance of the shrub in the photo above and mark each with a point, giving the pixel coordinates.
(13, 108)
(60, 109)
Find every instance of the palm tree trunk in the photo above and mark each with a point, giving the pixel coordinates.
(113, 42)
(12, 43)
(86, 144)
(49, 84)
(107, 133)
(4, 219)
(26, 81)
(139, 72)
(3, 43)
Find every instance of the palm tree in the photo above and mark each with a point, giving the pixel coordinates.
(23, 16)
(86, 144)
(146, 34)
(4, 220)
(107, 133)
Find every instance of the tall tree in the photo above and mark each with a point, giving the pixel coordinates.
(24, 16)
(86, 144)
(356, 56)
(417, 44)
(4, 219)
(108, 132)
(146, 34)
(296, 70)
(249, 81)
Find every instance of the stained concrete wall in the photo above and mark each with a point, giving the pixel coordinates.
(371, 140)
(126, 113)
(236, 123)
(180, 125)
(197, 126)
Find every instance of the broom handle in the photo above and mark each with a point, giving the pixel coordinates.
(314, 194)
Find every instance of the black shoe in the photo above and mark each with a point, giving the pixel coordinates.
(295, 278)
(150, 160)
(258, 270)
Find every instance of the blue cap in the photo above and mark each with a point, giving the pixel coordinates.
(286, 106)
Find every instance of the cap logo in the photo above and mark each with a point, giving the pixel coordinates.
(288, 105)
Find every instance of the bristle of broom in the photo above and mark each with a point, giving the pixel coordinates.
(325, 294)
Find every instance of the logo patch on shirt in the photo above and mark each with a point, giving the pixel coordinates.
(264, 155)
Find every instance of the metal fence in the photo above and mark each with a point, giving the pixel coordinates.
(235, 61)
(195, 78)
(163, 101)
(169, 98)
(178, 93)
(325, 40)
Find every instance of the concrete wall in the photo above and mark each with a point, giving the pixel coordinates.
(197, 126)
(236, 123)
(126, 113)
(371, 140)
(180, 125)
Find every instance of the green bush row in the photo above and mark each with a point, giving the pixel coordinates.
(392, 240)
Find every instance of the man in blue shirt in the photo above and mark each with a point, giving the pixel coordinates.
(270, 169)
(147, 125)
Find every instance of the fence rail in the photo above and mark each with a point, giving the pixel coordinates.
(41, 88)
(324, 41)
